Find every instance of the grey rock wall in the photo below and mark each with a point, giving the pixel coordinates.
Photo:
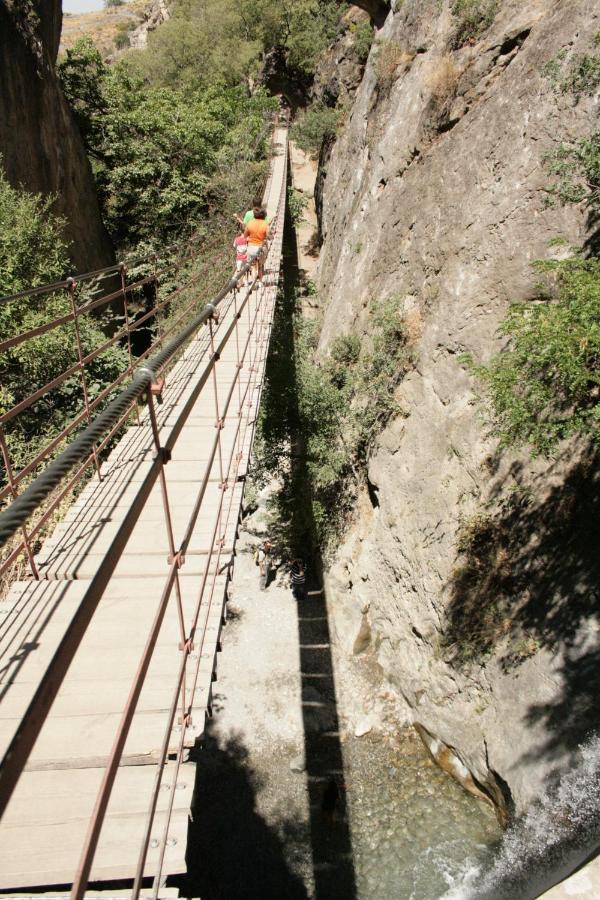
(435, 192)
(40, 144)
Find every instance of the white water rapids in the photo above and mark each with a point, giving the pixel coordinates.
(551, 840)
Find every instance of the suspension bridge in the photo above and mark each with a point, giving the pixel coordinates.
(109, 647)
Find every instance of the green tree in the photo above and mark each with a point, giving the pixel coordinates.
(160, 154)
(33, 252)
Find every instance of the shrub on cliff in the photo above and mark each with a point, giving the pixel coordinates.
(546, 385)
(344, 402)
(473, 17)
(575, 166)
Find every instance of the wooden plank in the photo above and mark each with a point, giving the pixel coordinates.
(50, 811)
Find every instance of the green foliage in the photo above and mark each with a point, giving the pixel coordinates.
(221, 40)
(299, 29)
(344, 402)
(161, 156)
(121, 40)
(576, 166)
(313, 125)
(545, 386)
(109, 4)
(296, 202)
(578, 76)
(474, 17)
(363, 34)
(33, 252)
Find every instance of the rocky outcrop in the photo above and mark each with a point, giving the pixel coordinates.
(340, 70)
(377, 9)
(435, 193)
(155, 14)
(40, 144)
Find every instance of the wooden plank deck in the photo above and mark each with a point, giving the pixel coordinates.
(42, 833)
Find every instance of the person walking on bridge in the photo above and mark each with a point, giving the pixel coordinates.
(256, 233)
(249, 215)
(240, 245)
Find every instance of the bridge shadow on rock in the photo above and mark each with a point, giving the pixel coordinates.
(233, 854)
(294, 533)
(527, 579)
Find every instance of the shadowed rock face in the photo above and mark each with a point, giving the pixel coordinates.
(435, 192)
(40, 144)
(377, 9)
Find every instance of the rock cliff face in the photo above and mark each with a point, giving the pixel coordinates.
(435, 193)
(155, 14)
(40, 145)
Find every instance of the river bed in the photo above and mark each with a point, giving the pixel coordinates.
(414, 830)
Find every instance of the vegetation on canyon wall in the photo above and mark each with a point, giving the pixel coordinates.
(545, 386)
(340, 402)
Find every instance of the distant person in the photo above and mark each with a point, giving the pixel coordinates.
(241, 249)
(256, 232)
(298, 579)
(264, 560)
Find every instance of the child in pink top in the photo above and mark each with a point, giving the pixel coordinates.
(241, 250)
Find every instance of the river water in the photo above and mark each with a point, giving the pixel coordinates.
(414, 830)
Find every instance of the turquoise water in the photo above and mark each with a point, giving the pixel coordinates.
(414, 830)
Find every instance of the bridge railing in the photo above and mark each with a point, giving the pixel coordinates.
(145, 382)
(133, 309)
(138, 313)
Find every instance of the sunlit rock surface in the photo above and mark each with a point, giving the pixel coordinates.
(435, 192)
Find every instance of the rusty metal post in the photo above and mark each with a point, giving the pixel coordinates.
(165, 456)
(72, 287)
(123, 277)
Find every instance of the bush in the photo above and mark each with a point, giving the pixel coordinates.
(578, 76)
(390, 56)
(443, 79)
(121, 40)
(33, 252)
(545, 386)
(344, 403)
(363, 36)
(576, 165)
(296, 204)
(162, 158)
(474, 17)
(313, 126)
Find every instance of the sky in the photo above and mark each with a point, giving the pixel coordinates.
(79, 6)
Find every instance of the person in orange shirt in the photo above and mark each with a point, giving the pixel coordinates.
(256, 233)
